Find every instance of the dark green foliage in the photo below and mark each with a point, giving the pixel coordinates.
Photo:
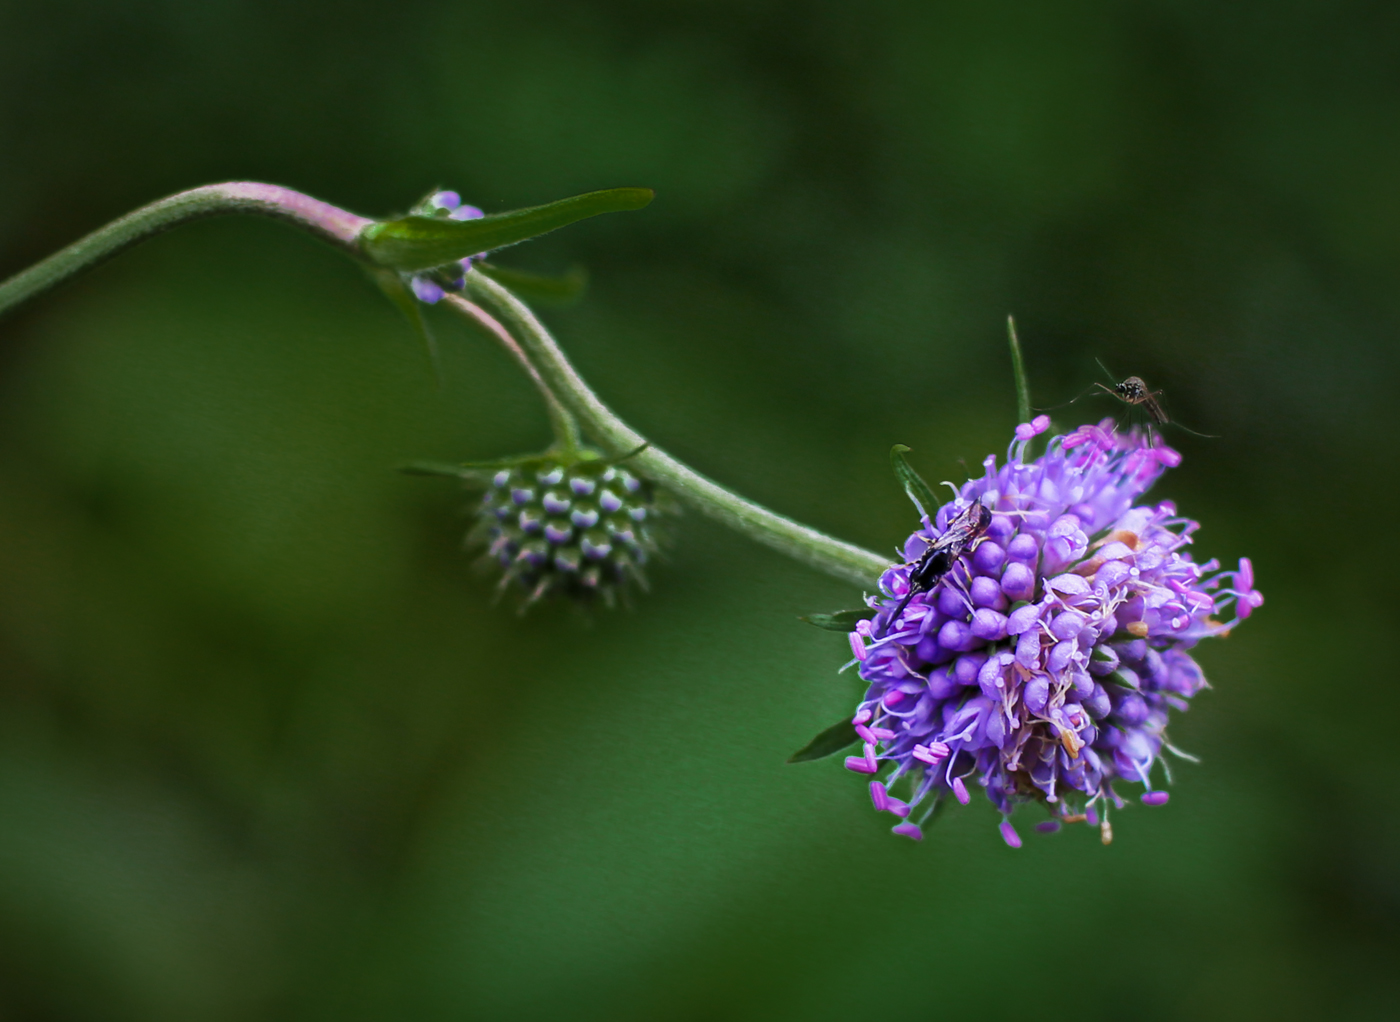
(831, 741)
(914, 485)
(841, 621)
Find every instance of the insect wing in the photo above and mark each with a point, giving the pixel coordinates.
(963, 529)
(1149, 401)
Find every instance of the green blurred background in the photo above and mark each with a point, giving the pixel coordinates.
(268, 752)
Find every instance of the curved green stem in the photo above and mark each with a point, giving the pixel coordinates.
(805, 544)
(328, 222)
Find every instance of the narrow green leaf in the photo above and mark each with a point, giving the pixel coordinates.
(437, 468)
(913, 484)
(467, 469)
(1018, 370)
(619, 458)
(841, 621)
(537, 287)
(393, 287)
(414, 243)
(828, 743)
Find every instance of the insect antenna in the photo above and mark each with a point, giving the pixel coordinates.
(1065, 404)
(1085, 392)
(1188, 429)
(894, 618)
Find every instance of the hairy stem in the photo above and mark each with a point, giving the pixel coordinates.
(335, 225)
(783, 534)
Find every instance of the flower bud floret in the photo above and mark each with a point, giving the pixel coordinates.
(581, 527)
(431, 285)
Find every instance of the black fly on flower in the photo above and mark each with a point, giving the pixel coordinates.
(935, 562)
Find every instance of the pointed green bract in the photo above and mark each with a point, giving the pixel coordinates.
(402, 299)
(1018, 370)
(912, 482)
(485, 469)
(414, 243)
(828, 743)
(841, 621)
(1127, 679)
(439, 468)
(536, 287)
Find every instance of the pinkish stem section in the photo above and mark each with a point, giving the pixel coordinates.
(330, 223)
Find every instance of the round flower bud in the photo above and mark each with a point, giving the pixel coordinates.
(580, 526)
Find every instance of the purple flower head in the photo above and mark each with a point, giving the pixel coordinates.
(1044, 664)
(430, 286)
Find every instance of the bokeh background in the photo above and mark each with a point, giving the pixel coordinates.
(267, 751)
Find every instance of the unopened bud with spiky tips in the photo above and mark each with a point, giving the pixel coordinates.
(575, 524)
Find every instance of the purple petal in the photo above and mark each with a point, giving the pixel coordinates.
(1028, 648)
(1023, 548)
(986, 592)
(1069, 585)
(426, 290)
(960, 791)
(1022, 618)
(860, 765)
(988, 558)
(1018, 582)
(988, 624)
